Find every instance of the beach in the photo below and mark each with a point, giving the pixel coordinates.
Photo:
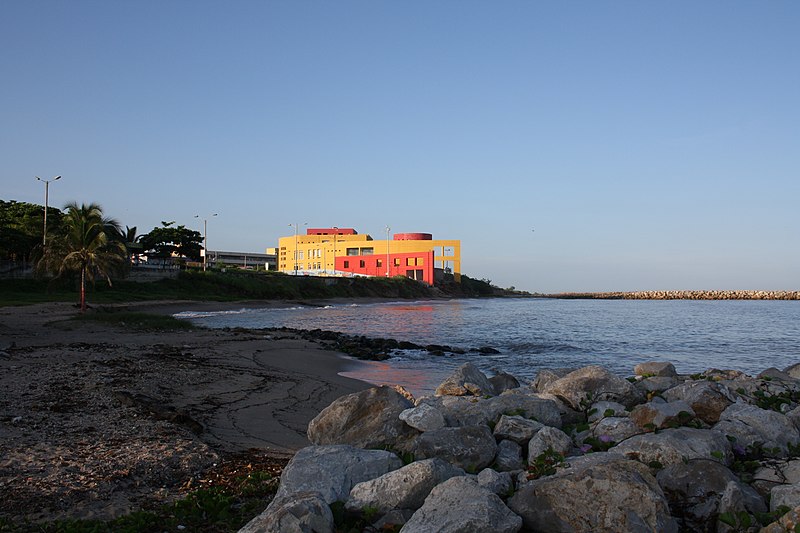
(97, 420)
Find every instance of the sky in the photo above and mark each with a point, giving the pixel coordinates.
(571, 146)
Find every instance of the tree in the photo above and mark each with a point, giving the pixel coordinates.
(21, 228)
(87, 245)
(169, 241)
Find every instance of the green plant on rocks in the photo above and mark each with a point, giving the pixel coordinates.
(545, 464)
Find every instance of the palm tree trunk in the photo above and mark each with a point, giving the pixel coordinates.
(83, 289)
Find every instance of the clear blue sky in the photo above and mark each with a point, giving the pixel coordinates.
(651, 145)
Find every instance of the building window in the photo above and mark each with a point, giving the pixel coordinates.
(410, 261)
(352, 251)
(367, 251)
(378, 263)
(397, 262)
(420, 261)
(362, 264)
(347, 264)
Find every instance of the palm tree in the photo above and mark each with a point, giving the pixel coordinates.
(86, 245)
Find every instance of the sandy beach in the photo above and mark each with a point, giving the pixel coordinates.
(97, 420)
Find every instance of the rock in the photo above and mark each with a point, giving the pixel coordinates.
(332, 471)
(367, 419)
(773, 374)
(509, 456)
(393, 520)
(499, 483)
(590, 384)
(788, 522)
(459, 505)
(473, 411)
(302, 512)
(549, 438)
(738, 500)
(662, 415)
(694, 491)
(423, 418)
(784, 495)
(471, 448)
(603, 495)
(793, 370)
(502, 382)
(706, 398)
(516, 428)
(404, 488)
(655, 368)
(604, 409)
(655, 385)
(750, 425)
(548, 375)
(467, 380)
(673, 446)
(615, 428)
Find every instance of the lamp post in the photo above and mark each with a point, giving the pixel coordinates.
(388, 229)
(205, 240)
(295, 244)
(46, 194)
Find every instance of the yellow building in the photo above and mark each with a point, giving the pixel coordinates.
(344, 252)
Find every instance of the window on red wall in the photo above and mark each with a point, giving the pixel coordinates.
(378, 263)
(347, 264)
(397, 262)
(361, 264)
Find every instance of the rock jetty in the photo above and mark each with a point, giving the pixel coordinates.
(679, 295)
(577, 450)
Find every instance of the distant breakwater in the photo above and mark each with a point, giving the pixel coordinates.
(679, 295)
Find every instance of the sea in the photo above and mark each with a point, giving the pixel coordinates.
(532, 334)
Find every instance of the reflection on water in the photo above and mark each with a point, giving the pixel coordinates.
(533, 334)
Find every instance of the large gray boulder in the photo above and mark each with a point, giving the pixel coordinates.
(660, 415)
(459, 505)
(332, 471)
(615, 428)
(749, 425)
(695, 491)
(655, 369)
(549, 438)
(548, 375)
(583, 387)
(423, 417)
(302, 512)
(673, 446)
(366, 419)
(509, 456)
(784, 496)
(601, 495)
(708, 399)
(467, 380)
(472, 411)
(404, 488)
(503, 381)
(471, 448)
(516, 428)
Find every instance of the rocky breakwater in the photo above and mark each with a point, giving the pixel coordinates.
(576, 450)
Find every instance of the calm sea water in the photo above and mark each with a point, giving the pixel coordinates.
(533, 334)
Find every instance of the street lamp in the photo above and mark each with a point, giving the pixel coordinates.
(46, 194)
(205, 240)
(388, 229)
(295, 245)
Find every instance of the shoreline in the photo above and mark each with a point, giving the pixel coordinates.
(97, 420)
(677, 295)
